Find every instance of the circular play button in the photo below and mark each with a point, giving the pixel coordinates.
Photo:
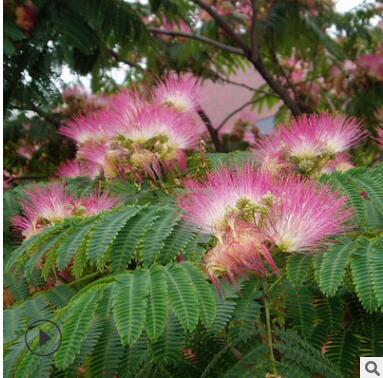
(43, 337)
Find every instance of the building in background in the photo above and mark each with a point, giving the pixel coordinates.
(220, 99)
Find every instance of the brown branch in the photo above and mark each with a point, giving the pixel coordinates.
(40, 177)
(212, 131)
(233, 113)
(52, 120)
(118, 58)
(277, 88)
(218, 77)
(253, 35)
(257, 62)
(276, 62)
(224, 25)
(199, 38)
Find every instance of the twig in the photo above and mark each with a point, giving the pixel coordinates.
(268, 326)
(212, 131)
(41, 177)
(53, 121)
(200, 38)
(224, 25)
(118, 58)
(257, 62)
(253, 35)
(233, 113)
(218, 77)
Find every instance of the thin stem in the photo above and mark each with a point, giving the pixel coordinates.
(39, 177)
(200, 38)
(276, 282)
(233, 113)
(253, 35)
(84, 279)
(118, 58)
(256, 60)
(268, 326)
(224, 25)
(236, 83)
(52, 120)
(212, 131)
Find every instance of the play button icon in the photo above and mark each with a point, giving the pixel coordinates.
(43, 337)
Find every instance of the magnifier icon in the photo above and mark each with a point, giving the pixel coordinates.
(372, 367)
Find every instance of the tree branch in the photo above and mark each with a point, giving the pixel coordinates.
(52, 120)
(118, 58)
(253, 35)
(277, 88)
(233, 113)
(275, 60)
(212, 131)
(224, 25)
(218, 77)
(200, 38)
(257, 62)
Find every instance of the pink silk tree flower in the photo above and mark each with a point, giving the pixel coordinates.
(226, 195)
(78, 168)
(299, 140)
(102, 158)
(45, 206)
(372, 64)
(180, 93)
(338, 133)
(178, 25)
(305, 215)
(98, 203)
(79, 101)
(174, 131)
(308, 144)
(239, 254)
(379, 138)
(95, 127)
(341, 163)
(94, 153)
(268, 154)
(123, 104)
(70, 168)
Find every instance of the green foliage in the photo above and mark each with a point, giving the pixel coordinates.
(141, 301)
(366, 273)
(297, 269)
(363, 256)
(343, 350)
(357, 256)
(297, 352)
(363, 188)
(145, 234)
(333, 266)
(157, 311)
(105, 231)
(301, 310)
(129, 303)
(75, 328)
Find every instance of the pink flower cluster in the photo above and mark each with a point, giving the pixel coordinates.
(310, 145)
(372, 65)
(254, 215)
(379, 138)
(137, 137)
(45, 206)
(79, 101)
